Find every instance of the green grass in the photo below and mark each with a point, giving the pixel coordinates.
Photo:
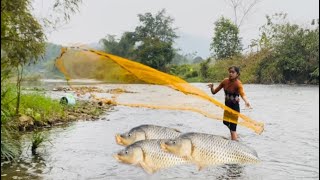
(38, 138)
(40, 107)
(10, 146)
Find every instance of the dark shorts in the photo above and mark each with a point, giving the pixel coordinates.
(229, 115)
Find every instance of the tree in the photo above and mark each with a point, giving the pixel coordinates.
(240, 10)
(226, 41)
(154, 40)
(155, 53)
(22, 36)
(123, 47)
(59, 14)
(22, 43)
(295, 50)
(204, 67)
(151, 43)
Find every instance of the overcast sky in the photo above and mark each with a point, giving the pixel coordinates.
(193, 18)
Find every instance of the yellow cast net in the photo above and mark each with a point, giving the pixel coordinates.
(137, 85)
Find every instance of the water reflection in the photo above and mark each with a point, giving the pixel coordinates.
(31, 168)
(27, 167)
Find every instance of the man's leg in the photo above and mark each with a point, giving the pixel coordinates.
(234, 135)
(233, 131)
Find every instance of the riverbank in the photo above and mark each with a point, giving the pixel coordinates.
(83, 110)
(39, 109)
(42, 108)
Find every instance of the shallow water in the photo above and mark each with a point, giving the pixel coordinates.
(288, 147)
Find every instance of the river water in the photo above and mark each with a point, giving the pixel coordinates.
(288, 147)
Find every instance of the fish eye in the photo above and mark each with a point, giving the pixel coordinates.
(129, 134)
(126, 152)
(174, 142)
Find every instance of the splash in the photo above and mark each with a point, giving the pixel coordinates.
(84, 63)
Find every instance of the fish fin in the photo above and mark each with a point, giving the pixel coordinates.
(200, 167)
(223, 137)
(147, 168)
(177, 130)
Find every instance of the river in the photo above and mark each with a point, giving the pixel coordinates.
(288, 147)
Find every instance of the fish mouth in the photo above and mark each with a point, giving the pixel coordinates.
(121, 159)
(117, 157)
(164, 147)
(119, 140)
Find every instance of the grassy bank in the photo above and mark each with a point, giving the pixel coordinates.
(36, 112)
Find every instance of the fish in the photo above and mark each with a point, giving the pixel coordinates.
(149, 155)
(207, 149)
(144, 132)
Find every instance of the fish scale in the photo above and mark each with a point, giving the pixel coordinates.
(146, 131)
(212, 149)
(157, 132)
(157, 157)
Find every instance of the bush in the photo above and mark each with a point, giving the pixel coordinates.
(249, 67)
(34, 104)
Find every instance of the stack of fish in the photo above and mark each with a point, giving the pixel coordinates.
(156, 147)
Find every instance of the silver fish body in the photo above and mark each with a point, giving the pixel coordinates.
(149, 155)
(206, 149)
(144, 132)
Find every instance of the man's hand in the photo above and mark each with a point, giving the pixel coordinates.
(210, 85)
(211, 88)
(248, 105)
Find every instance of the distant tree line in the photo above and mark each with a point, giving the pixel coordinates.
(290, 52)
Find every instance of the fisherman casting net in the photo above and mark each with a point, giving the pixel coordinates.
(145, 85)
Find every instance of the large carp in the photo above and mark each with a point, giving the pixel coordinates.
(144, 132)
(207, 149)
(149, 155)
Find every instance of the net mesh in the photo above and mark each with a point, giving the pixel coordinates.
(138, 85)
